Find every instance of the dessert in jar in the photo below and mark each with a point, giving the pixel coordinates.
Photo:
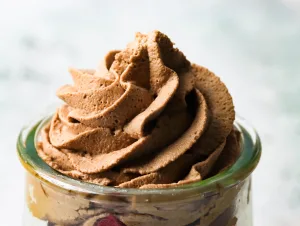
(147, 138)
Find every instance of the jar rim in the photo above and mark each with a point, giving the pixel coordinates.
(240, 170)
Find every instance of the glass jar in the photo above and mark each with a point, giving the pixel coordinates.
(55, 199)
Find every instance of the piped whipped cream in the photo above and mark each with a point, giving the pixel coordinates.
(145, 118)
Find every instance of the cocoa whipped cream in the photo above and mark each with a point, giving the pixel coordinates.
(145, 118)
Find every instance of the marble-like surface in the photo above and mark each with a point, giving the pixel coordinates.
(254, 46)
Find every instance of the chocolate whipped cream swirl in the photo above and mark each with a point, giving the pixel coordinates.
(145, 118)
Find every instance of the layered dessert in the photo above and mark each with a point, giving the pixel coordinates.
(145, 118)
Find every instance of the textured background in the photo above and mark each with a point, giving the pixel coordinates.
(253, 45)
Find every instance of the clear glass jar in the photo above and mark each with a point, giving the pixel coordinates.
(55, 199)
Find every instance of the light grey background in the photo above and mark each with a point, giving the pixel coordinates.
(254, 46)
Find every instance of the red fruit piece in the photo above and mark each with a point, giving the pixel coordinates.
(110, 220)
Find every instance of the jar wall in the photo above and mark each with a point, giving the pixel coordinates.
(47, 204)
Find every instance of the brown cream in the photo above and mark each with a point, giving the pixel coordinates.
(145, 118)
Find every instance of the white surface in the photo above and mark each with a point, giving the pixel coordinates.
(252, 45)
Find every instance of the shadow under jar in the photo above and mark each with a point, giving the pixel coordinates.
(55, 199)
